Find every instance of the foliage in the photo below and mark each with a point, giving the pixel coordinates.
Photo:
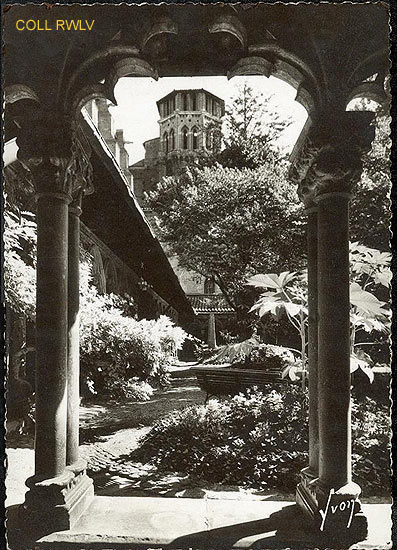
(117, 349)
(260, 440)
(132, 389)
(255, 440)
(19, 262)
(251, 130)
(370, 206)
(252, 354)
(231, 223)
(286, 294)
(119, 355)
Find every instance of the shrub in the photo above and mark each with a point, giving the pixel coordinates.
(245, 440)
(19, 263)
(261, 440)
(117, 351)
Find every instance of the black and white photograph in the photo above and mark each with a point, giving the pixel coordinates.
(196, 276)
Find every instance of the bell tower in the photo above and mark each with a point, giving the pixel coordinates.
(190, 122)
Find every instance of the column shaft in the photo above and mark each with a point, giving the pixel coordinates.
(51, 331)
(312, 339)
(211, 331)
(334, 340)
(73, 369)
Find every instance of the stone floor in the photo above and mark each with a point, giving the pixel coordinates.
(127, 522)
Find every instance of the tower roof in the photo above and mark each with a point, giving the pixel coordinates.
(186, 90)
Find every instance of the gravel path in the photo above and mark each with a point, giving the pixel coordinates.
(108, 432)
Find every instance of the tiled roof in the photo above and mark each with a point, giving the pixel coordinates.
(209, 303)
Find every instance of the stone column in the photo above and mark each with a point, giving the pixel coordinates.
(331, 164)
(211, 331)
(310, 474)
(73, 370)
(334, 339)
(51, 330)
(57, 495)
(312, 338)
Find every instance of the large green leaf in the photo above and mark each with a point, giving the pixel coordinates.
(366, 302)
(275, 303)
(271, 280)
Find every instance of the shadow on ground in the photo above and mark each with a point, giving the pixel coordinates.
(106, 418)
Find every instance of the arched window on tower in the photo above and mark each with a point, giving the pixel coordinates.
(195, 137)
(184, 102)
(172, 140)
(184, 135)
(194, 101)
(165, 142)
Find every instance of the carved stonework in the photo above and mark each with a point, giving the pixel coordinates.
(54, 154)
(330, 159)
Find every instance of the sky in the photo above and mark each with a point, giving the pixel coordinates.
(136, 111)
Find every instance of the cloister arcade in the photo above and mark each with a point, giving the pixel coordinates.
(329, 54)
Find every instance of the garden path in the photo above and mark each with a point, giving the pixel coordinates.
(109, 432)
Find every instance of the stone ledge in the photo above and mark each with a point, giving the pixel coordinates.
(146, 522)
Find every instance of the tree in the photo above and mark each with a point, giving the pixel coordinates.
(231, 223)
(370, 207)
(251, 130)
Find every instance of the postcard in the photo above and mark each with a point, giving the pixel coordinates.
(197, 275)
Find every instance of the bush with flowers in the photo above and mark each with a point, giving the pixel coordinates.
(260, 440)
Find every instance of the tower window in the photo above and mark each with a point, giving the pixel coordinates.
(195, 137)
(184, 134)
(194, 102)
(165, 142)
(172, 140)
(184, 102)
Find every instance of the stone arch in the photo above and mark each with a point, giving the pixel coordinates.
(165, 142)
(195, 137)
(19, 92)
(111, 277)
(98, 271)
(172, 140)
(185, 137)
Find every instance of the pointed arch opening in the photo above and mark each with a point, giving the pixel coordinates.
(184, 137)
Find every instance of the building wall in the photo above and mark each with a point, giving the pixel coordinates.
(183, 112)
(98, 110)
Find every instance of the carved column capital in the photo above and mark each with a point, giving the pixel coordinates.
(330, 159)
(51, 148)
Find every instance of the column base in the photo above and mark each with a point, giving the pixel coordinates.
(58, 503)
(333, 514)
